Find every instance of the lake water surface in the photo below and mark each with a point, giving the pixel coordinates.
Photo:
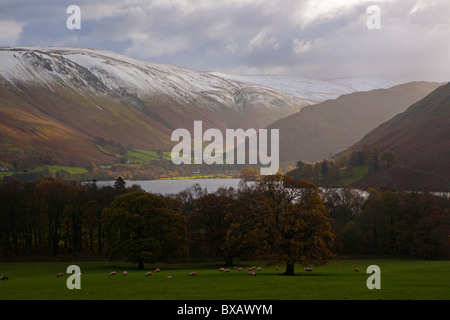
(174, 186)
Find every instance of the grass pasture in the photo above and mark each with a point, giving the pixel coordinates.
(400, 280)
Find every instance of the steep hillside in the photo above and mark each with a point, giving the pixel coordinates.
(318, 131)
(59, 103)
(420, 140)
(75, 106)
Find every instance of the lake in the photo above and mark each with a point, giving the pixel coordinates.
(166, 187)
(174, 186)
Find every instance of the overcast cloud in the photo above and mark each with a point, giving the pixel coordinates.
(317, 39)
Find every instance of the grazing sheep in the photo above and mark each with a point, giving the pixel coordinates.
(277, 268)
(59, 275)
(222, 269)
(157, 270)
(239, 269)
(307, 269)
(258, 269)
(3, 278)
(252, 273)
(170, 277)
(148, 273)
(356, 269)
(226, 270)
(112, 273)
(192, 274)
(125, 273)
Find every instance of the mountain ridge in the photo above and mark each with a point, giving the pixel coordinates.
(420, 140)
(318, 131)
(58, 102)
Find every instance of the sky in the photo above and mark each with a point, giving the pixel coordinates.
(317, 39)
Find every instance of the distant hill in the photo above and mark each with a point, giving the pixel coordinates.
(318, 131)
(420, 140)
(76, 106)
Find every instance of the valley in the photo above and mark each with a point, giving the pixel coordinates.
(83, 114)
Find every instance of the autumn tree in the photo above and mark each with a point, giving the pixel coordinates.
(142, 227)
(208, 225)
(249, 174)
(292, 225)
(220, 226)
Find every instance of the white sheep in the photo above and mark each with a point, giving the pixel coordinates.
(149, 273)
(125, 273)
(192, 274)
(113, 273)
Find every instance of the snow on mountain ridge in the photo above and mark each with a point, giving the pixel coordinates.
(312, 89)
(126, 75)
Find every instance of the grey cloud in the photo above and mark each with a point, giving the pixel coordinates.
(266, 36)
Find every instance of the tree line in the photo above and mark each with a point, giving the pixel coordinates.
(335, 172)
(276, 219)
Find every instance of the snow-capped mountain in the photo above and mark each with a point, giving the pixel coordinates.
(79, 67)
(312, 90)
(71, 104)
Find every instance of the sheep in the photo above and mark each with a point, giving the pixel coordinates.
(125, 273)
(239, 269)
(3, 278)
(59, 275)
(356, 269)
(277, 268)
(192, 274)
(252, 273)
(226, 270)
(258, 269)
(170, 277)
(113, 273)
(157, 270)
(307, 269)
(149, 273)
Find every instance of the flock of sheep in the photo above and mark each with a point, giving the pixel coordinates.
(251, 271)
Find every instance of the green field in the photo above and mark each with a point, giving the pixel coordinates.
(400, 280)
(146, 156)
(54, 168)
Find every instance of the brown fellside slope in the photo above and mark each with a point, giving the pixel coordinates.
(420, 138)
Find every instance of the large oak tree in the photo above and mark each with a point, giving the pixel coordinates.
(292, 224)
